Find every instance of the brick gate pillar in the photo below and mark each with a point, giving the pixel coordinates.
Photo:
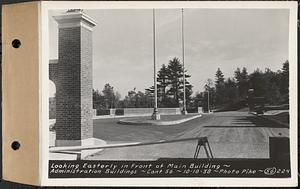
(74, 111)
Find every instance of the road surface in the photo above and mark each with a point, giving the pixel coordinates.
(230, 134)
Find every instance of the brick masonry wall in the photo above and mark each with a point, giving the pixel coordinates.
(68, 92)
(74, 104)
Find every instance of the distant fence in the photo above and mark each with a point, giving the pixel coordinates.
(144, 111)
(138, 111)
(149, 111)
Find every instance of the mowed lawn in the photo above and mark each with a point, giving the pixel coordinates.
(230, 134)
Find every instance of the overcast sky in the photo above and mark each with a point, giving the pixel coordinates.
(225, 38)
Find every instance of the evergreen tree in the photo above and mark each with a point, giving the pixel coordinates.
(220, 87)
(138, 99)
(231, 91)
(175, 72)
(98, 100)
(272, 93)
(242, 82)
(130, 100)
(209, 95)
(284, 86)
(269, 88)
(163, 82)
(170, 85)
(219, 77)
(198, 100)
(109, 96)
(257, 82)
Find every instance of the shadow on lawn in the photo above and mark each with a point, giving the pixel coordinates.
(250, 122)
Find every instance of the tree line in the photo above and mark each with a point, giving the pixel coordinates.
(169, 91)
(223, 92)
(272, 87)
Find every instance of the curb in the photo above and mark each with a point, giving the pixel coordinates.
(119, 116)
(157, 123)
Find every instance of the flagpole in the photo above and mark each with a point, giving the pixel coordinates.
(182, 43)
(155, 115)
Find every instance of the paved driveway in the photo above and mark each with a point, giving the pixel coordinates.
(230, 134)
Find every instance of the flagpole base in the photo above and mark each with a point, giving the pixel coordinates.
(155, 115)
(183, 111)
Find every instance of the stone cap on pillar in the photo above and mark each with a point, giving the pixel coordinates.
(53, 61)
(75, 18)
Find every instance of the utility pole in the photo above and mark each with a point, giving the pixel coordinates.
(208, 100)
(184, 112)
(207, 87)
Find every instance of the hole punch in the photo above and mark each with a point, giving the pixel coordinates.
(15, 145)
(16, 43)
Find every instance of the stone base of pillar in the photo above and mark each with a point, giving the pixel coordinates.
(84, 142)
(83, 153)
(92, 142)
(61, 143)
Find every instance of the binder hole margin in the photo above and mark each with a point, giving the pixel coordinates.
(16, 43)
(15, 145)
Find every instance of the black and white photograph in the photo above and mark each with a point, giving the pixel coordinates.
(169, 92)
